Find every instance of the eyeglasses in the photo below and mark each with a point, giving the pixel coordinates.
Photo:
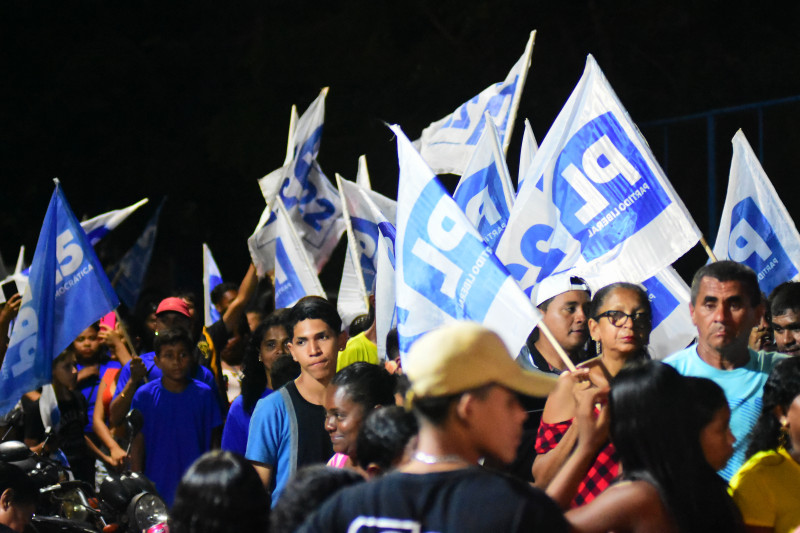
(617, 318)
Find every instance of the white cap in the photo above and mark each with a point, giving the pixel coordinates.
(559, 284)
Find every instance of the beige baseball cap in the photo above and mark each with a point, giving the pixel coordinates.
(461, 356)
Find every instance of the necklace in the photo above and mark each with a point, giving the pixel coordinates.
(423, 457)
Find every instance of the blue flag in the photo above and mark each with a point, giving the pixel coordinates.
(67, 292)
(129, 273)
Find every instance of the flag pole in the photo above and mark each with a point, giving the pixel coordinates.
(290, 142)
(512, 116)
(559, 350)
(708, 249)
(351, 241)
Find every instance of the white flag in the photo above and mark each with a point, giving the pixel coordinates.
(98, 227)
(295, 276)
(673, 329)
(362, 178)
(755, 228)
(526, 153)
(445, 271)
(485, 193)
(358, 276)
(385, 309)
(211, 278)
(595, 199)
(307, 194)
(447, 144)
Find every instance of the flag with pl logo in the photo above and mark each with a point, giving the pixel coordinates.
(672, 325)
(755, 228)
(594, 198)
(360, 266)
(445, 271)
(295, 276)
(211, 278)
(447, 144)
(485, 193)
(68, 291)
(98, 227)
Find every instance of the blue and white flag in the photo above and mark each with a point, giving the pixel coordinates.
(595, 199)
(385, 308)
(447, 144)
(755, 228)
(307, 194)
(68, 291)
(527, 151)
(211, 278)
(673, 329)
(485, 192)
(98, 227)
(128, 274)
(445, 271)
(295, 276)
(364, 210)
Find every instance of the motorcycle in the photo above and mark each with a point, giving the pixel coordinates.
(130, 500)
(64, 505)
(127, 503)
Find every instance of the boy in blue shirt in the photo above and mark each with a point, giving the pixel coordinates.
(181, 416)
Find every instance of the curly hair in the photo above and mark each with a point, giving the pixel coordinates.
(780, 390)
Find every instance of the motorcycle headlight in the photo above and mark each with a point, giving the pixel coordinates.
(145, 511)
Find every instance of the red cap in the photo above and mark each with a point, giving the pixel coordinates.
(175, 304)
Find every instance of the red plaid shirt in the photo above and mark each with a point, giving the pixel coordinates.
(601, 474)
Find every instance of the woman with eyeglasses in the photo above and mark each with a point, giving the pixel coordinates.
(620, 324)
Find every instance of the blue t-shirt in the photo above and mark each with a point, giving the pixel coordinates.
(91, 385)
(177, 430)
(237, 425)
(202, 374)
(287, 432)
(743, 389)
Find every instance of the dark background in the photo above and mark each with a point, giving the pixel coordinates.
(122, 100)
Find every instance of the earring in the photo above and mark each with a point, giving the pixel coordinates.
(783, 438)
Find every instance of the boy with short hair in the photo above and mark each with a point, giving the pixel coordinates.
(181, 416)
(287, 429)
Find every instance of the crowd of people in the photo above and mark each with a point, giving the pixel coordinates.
(287, 420)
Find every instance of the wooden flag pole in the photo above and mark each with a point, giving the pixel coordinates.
(708, 249)
(559, 350)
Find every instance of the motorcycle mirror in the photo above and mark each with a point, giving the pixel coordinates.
(135, 421)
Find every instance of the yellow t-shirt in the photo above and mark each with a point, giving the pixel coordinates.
(767, 491)
(359, 348)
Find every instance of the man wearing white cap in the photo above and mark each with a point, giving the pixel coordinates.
(563, 301)
(464, 387)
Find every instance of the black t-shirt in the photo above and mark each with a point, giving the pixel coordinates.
(466, 500)
(313, 442)
(70, 437)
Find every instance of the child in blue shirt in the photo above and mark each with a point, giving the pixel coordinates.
(181, 416)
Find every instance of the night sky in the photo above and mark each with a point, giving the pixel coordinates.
(191, 100)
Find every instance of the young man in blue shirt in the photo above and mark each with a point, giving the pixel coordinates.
(287, 429)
